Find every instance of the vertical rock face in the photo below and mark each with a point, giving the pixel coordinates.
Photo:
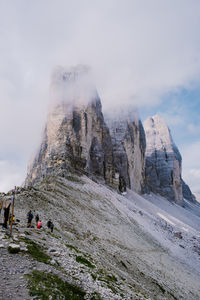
(163, 161)
(76, 135)
(128, 140)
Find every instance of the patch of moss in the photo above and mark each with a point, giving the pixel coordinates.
(94, 276)
(53, 235)
(84, 261)
(72, 247)
(13, 250)
(110, 278)
(43, 285)
(112, 288)
(36, 251)
(95, 296)
(106, 277)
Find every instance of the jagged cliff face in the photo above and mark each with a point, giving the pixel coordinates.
(128, 139)
(76, 136)
(163, 161)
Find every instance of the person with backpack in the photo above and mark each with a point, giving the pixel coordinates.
(30, 218)
(50, 225)
(39, 224)
(37, 218)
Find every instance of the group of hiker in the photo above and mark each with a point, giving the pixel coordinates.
(8, 217)
(38, 221)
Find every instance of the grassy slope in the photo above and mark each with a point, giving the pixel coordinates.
(90, 218)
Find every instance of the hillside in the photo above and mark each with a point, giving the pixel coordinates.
(110, 246)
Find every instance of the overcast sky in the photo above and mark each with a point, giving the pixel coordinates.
(142, 52)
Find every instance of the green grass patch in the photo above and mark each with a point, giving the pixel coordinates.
(112, 288)
(109, 279)
(13, 250)
(53, 235)
(84, 261)
(72, 247)
(94, 276)
(43, 285)
(36, 251)
(95, 296)
(106, 277)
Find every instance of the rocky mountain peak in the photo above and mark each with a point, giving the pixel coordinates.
(128, 140)
(77, 137)
(73, 86)
(116, 149)
(163, 162)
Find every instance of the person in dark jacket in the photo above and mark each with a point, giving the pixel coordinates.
(30, 218)
(6, 216)
(37, 218)
(50, 225)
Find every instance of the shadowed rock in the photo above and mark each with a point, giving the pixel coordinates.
(128, 140)
(163, 162)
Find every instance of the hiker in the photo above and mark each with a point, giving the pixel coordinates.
(122, 185)
(6, 214)
(50, 225)
(37, 218)
(12, 220)
(29, 217)
(39, 224)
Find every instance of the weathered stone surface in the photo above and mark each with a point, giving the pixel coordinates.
(163, 161)
(187, 194)
(76, 136)
(128, 140)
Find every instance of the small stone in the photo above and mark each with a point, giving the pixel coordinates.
(53, 262)
(178, 235)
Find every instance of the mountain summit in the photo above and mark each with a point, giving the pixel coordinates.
(108, 242)
(163, 162)
(114, 149)
(77, 137)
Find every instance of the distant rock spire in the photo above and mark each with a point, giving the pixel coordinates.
(128, 140)
(163, 161)
(75, 136)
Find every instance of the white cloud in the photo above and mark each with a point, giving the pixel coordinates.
(11, 175)
(191, 165)
(138, 51)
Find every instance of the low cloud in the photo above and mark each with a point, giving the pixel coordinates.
(191, 163)
(138, 51)
(11, 173)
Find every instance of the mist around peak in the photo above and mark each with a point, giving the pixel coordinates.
(72, 86)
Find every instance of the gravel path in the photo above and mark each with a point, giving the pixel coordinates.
(13, 284)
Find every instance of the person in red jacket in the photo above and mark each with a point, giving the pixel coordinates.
(39, 224)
